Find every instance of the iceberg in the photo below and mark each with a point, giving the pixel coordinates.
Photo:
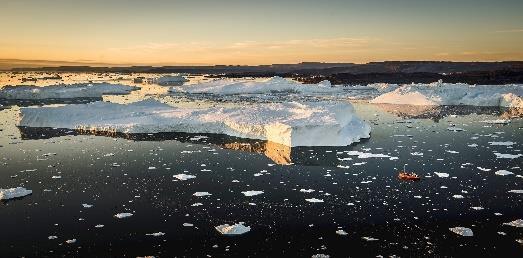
(291, 124)
(11, 193)
(236, 229)
(273, 85)
(170, 80)
(64, 91)
(439, 94)
(462, 231)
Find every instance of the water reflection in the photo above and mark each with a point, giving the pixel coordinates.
(8, 103)
(436, 113)
(278, 153)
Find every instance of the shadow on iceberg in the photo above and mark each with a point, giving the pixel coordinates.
(437, 113)
(278, 153)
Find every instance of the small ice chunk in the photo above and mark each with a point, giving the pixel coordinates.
(516, 223)
(52, 237)
(99, 226)
(341, 232)
(11, 193)
(516, 191)
(503, 173)
(502, 143)
(85, 205)
(183, 177)
(200, 194)
(507, 156)
(252, 193)
(314, 200)
(71, 241)
(157, 234)
(235, 229)
(441, 174)
(369, 239)
(307, 190)
(458, 196)
(188, 225)
(123, 215)
(462, 231)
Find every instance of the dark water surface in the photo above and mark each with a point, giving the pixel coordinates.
(134, 173)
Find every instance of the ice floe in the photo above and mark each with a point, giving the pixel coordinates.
(235, 229)
(503, 173)
(11, 193)
(440, 93)
(291, 124)
(515, 223)
(200, 194)
(169, 80)
(462, 231)
(516, 191)
(272, 85)
(366, 155)
(157, 234)
(507, 156)
(441, 174)
(183, 177)
(64, 91)
(252, 193)
(123, 215)
(314, 200)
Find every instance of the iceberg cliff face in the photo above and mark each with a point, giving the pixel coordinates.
(64, 91)
(274, 84)
(455, 94)
(291, 124)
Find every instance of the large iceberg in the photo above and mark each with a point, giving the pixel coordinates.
(291, 124)
(12, 193)
(440, 93)
(273, 85)
(64, 91)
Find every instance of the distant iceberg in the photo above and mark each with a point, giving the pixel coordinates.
(291, 124)
(64, 91)
(169, 80)
(439, 93)
(273, 85)
(12, 193)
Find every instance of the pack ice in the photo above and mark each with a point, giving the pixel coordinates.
(272, 85)
(291, 124)
(439, 93)
(64, 91)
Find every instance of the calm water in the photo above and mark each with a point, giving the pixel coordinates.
(134, 173)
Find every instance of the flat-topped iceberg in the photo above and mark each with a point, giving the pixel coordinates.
(291, 124)
(64, 91)
(440, 93)
(169, 80)
(272, 85)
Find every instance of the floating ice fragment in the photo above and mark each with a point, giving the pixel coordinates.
(462, 231)
(314, 200)
(11, 193)
(516, 191)
(52, 237)
(85, 205)
(477, 208)
(441, 174)
(123, 215)
(341, 232)
(200, 194)
(369, 239)
(515, 223)
(71, 241)
(187, 225)
(236, 229)
(507, 156)
(183, 177)
(502, 143)
(458, 196)
(157, 234)
(503, 173)
(252, 193)
(307, 190)
(99, 226)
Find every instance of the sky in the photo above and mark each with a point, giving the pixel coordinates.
(163, 32)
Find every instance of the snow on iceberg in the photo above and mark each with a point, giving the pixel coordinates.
(439, 93)
(272, 85)
(291, 124)
(236, 229)
(64, 91)
(11, 193)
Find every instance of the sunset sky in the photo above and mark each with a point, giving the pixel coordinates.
(260, 32)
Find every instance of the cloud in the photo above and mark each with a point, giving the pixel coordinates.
(510, 31)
